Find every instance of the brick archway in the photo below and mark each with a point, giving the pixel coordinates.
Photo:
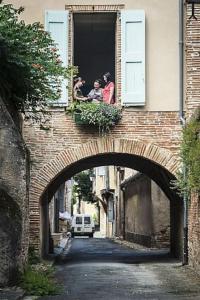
(158, 155)
(101, 147)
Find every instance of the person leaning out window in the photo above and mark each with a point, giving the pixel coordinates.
(77, 93)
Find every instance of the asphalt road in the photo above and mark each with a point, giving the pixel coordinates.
(93, 269)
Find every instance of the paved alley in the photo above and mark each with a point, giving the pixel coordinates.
(101, 269)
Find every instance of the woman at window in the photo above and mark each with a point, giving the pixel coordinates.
(108, 91)
(77, 93)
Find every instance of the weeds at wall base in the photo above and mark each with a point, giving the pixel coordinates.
(38, 277)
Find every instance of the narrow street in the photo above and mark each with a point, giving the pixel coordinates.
(101, 269)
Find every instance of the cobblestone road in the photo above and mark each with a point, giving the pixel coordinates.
(94, 269)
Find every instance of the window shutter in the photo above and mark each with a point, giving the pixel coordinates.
(56, 23)
(133, 57)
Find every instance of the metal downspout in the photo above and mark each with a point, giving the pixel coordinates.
(183, 122)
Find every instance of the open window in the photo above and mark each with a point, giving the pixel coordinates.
(98, 41)
(94, 45)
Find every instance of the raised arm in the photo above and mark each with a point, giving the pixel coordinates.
(112, 88)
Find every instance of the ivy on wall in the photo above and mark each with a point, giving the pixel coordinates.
(189, 179)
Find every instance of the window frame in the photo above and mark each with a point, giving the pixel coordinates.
(97, 9)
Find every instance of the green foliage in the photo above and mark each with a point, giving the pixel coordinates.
(39, 283)
(33, 257)
(83, 186)
(101, 115)
(95, 218)
(37, 278)
(189, 179)
(31, 71)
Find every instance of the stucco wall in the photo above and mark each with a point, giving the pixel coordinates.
(162, 43)
(161, 215)
(147, 215)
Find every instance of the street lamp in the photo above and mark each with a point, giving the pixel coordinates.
(193, 2)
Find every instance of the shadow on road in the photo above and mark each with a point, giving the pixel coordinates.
(104, 250)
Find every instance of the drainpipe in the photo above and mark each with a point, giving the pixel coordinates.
(183, 123)
(181, 60)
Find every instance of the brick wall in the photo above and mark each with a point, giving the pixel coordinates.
(192, 103)
(192, 61)
(152, 135)
(194, 232)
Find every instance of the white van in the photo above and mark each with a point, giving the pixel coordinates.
(82, 224)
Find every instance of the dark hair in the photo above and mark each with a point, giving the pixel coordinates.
(99, 81)
(108, 76)
(76, 79)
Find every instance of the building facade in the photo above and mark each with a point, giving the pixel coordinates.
(144, 61)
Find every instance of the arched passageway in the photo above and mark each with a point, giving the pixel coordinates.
(157, 163)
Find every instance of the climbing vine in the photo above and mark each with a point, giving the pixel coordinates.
(189, 179)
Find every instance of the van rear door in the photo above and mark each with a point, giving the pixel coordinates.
(87, 224)
(79, 224)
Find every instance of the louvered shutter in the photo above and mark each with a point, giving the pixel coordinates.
(133, 57)
(56, 22)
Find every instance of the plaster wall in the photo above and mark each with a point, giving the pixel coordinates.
(162, 43)
(147, 215)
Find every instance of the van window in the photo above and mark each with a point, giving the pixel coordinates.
(86, 220)
(78, 220)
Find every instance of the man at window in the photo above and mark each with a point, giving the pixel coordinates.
(96, 94)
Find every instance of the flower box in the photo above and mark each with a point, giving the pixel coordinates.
(102, 116)
(78, 120)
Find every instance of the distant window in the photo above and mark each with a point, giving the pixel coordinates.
(86, 220)
(78, 220)
(101, 171)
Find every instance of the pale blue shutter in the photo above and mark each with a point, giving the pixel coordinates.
(56, 22)
(133, 57)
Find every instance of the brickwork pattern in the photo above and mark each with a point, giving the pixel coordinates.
(192, 103)
(194, 232)
(192, 61)
(152, 135)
